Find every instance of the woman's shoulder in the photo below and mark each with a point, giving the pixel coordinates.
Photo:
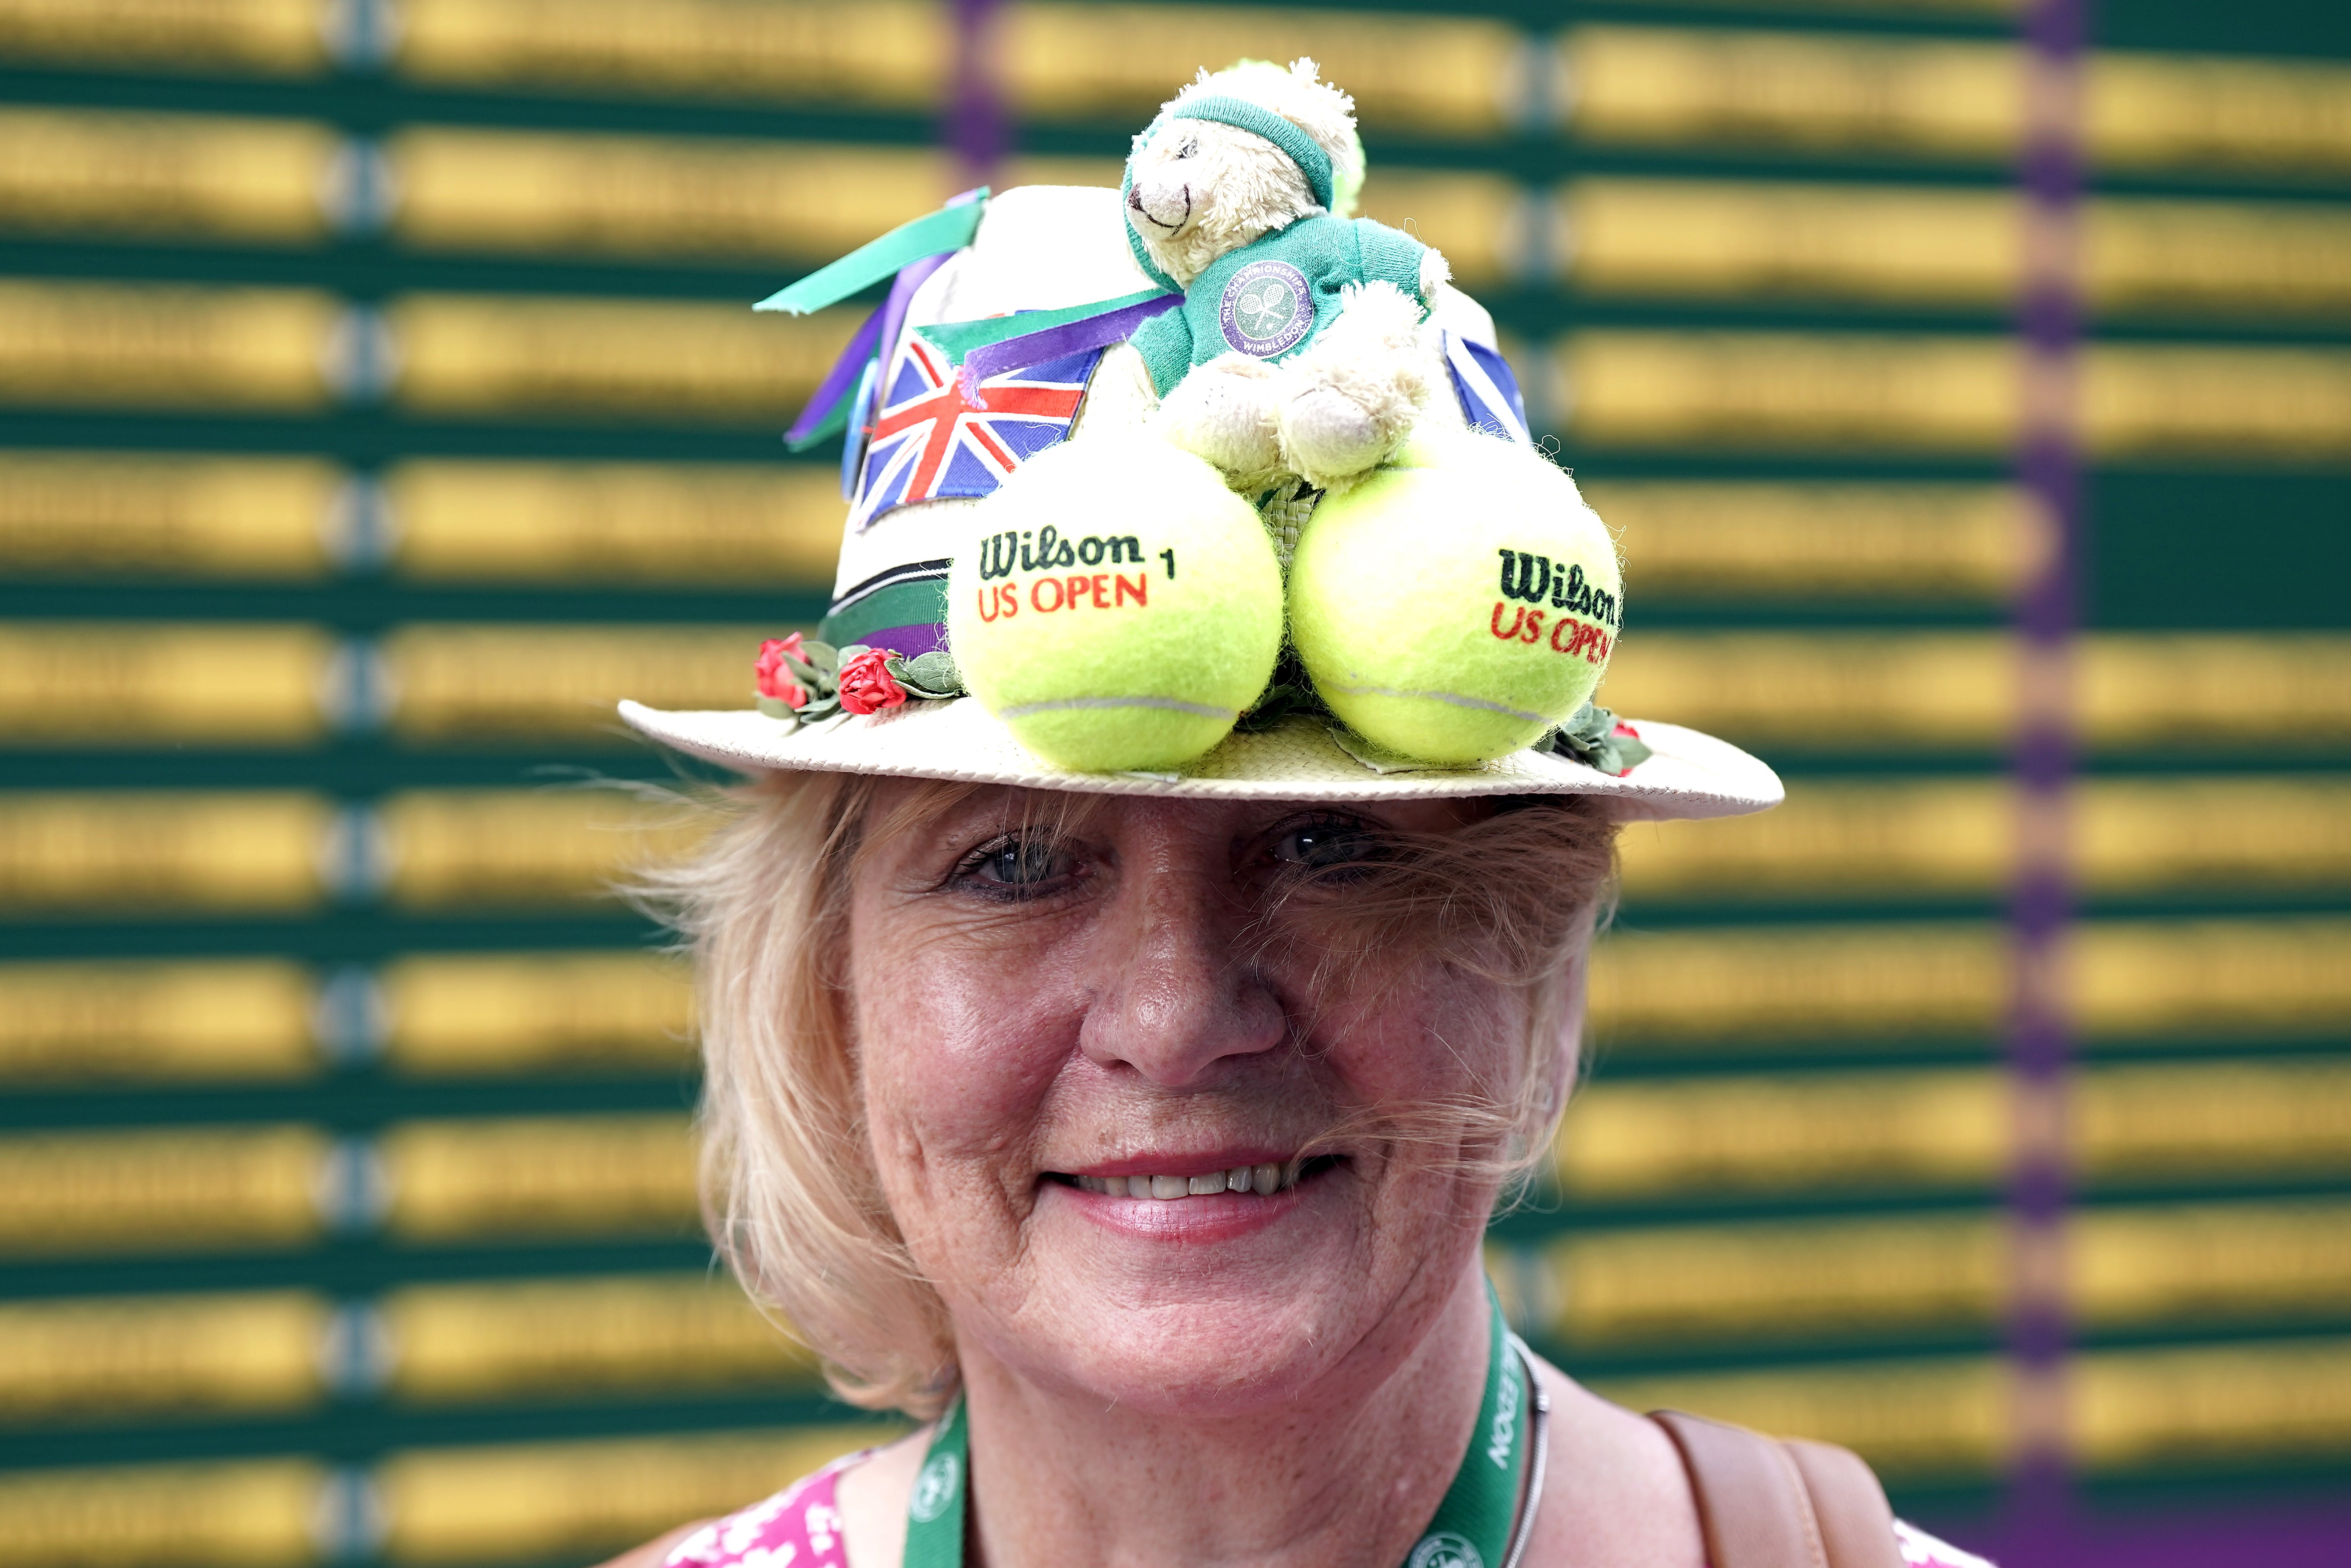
(848, 1514)
(1617, 1491)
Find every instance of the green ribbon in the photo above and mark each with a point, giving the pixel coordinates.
(1471, 1528)
(950, 228)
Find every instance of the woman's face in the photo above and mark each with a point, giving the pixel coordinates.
(1056, 999)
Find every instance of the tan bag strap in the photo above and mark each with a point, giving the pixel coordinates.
(1856, 1522)
(1769, 1504)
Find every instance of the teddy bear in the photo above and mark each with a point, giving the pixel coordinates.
(1297, 350)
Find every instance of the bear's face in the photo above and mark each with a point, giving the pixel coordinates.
(1201, 189)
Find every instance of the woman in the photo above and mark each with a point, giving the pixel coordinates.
(1140, 1133)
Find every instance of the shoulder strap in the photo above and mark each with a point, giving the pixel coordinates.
(1768, 1504)
(1856, 1523)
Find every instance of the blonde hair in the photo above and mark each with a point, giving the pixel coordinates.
(788, 1189)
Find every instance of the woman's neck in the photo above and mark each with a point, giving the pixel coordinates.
(1344, 1476)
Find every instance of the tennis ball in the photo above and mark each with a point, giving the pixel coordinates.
(1458, 603)
(1115, 604)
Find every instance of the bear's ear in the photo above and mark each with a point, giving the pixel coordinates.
(1316, 107)
(1328, 114)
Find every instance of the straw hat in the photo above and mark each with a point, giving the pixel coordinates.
(1040, 249)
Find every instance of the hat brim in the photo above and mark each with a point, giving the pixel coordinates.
(1688, 774)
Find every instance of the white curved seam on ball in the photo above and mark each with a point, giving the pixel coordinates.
(1456, 698)
(1170, 705)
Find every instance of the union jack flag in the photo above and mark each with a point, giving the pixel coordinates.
(928, 442)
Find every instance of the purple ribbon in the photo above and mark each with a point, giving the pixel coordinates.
(911, 276)
(837, 384)
(1055, 343)
(881, 328)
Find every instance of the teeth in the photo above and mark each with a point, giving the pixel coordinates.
(1263, 1180)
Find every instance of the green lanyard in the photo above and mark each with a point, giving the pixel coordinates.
(1471, 1530)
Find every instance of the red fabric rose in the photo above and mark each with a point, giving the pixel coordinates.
(775, 676)
(866, 683)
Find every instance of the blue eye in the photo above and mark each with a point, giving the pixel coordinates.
(1019, 863)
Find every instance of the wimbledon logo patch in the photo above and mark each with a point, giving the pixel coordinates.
(934, 1489)
(1444, 1548)
(1265, 308)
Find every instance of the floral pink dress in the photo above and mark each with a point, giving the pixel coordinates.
(800, 1527)
(796, 1528)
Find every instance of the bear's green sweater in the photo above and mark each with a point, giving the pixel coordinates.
(1223, 312)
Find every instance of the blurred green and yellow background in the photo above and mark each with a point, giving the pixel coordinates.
(379, 402)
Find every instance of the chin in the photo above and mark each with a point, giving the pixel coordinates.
(1223, 1305)
(1230, 1358)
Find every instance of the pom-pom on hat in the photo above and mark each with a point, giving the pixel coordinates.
(929, 472)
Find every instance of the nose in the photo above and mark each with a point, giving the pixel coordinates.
(1177, 993)
(1162, 203)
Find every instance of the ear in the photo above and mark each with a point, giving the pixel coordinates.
(1326, 114)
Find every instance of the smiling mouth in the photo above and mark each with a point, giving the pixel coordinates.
(1259, 1181)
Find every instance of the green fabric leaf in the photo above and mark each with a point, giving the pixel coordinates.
(818, 667)
(1590, 737)
(931, 675)
(818, 708)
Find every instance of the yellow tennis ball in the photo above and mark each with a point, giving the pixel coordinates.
(1115, 605)
(1455, 606)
